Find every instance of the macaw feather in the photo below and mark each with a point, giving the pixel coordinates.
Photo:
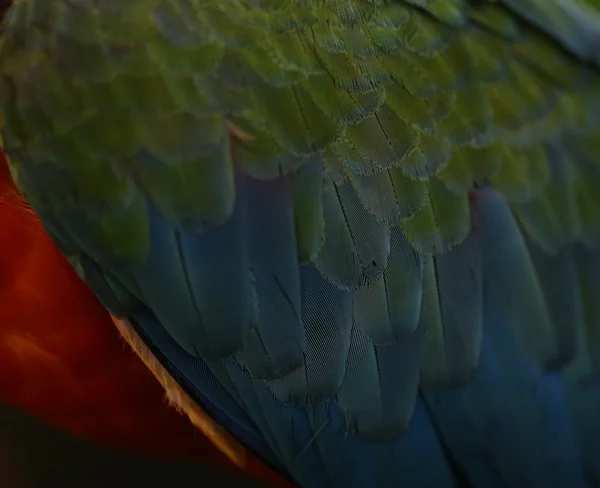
(336, 221)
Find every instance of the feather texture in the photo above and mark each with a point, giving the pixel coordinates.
(363, 233)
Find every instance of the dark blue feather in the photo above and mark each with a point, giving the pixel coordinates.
(276, 345)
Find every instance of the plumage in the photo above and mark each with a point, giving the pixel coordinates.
(361, 232)
(54, 338)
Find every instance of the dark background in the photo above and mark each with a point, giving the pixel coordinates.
(34, 455)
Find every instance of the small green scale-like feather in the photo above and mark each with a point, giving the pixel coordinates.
(472, 126)
(553, 219)
(523, 172)
(442, 223)
(341, 105)
(470, 164)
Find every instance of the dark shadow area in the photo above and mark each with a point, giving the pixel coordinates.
(34, 455)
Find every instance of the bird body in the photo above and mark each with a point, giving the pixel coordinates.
(361, 234)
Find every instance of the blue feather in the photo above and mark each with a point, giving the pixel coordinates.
(509, 427)
(273, 348)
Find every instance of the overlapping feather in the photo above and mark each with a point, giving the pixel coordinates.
(292, 186)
